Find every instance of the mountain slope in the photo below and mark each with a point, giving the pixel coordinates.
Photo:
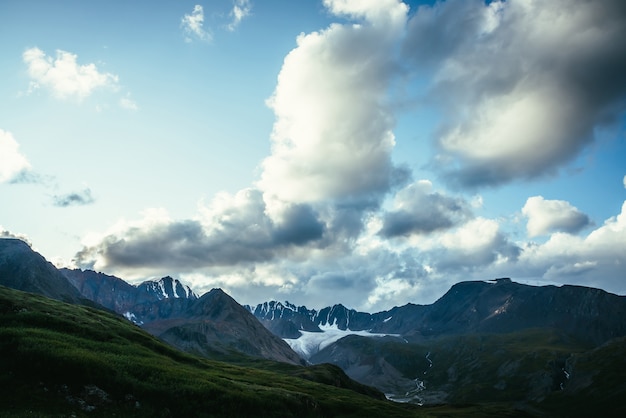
(24, 269)
(58, 359)
(214, 325)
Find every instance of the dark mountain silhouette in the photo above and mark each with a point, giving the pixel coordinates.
(23, 269)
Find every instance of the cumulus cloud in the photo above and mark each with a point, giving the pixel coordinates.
(521, 84)
(476, 245)
(241, 9)
(593, 260)
(14, 167)
(63, 76)
(193, 25)
(80, 198)
(419, 210)
(545, 216)
(333, 137)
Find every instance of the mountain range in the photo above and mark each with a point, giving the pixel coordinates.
(490, 340)
(213, 325)
(590, 315)
(536, 350)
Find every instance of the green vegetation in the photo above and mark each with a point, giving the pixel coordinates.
(522, 366)
(540, 371)
(58, 359)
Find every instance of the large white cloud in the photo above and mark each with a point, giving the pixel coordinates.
(13, 164)
(64, 76)
(522, 84)
(333, 136)
(546, 216)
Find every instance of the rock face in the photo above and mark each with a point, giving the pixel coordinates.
(124, 298)
(213, 325)
(22, 268)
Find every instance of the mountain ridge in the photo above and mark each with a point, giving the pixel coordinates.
(496, 306)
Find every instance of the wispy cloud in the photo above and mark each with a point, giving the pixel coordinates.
(241, 9)
(128, 103)
(193, 25)
(63, 76)
(80, 198)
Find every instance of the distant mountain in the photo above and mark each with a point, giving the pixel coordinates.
(23, 269)
(491, 340)
(124, 298)
(213, 325)
(499, 306)
(287, 320)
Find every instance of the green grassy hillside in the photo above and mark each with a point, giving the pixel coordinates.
(58, 359)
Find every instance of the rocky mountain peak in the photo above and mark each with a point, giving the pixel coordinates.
(165, 288)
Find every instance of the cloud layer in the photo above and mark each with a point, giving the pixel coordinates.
(520, 87)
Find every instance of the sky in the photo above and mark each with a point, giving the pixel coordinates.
(364, 152)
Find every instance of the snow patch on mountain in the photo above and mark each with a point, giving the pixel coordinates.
(312, 342)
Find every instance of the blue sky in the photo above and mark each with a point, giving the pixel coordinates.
(371, 153)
